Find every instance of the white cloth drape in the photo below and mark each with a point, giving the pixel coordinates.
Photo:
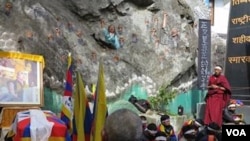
(40, 127)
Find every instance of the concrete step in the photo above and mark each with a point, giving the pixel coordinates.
(246, 102)
(244, 98)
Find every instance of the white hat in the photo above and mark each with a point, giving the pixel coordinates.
(218, 68)
(231, 105)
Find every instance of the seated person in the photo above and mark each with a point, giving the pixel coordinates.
(144, 122)
(167, 128)
(229, 115)
(149, 132)
(189, 133)
(122, 125)
(160, 136)
(201, 133)
(110, 36)
(141, 104)
(213, 132)
(196, 124)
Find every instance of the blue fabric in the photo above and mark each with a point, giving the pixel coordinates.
(173, 138)
(111, 39)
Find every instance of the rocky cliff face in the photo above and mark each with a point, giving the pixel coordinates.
(159, 39)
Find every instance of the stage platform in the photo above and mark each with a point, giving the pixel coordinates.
(245, 110)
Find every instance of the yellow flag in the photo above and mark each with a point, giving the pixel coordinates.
(69, 60)
(79, 108)
(100, 107)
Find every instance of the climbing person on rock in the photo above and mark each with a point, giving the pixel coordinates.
(110, 35)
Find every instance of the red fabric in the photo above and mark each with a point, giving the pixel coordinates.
(211, 138)
(21, 126)
(217, 99)
(58, 130)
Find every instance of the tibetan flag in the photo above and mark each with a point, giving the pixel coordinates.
(88, 120)
(100, 107)
(67, 105)
(82, 119)
(22, 126)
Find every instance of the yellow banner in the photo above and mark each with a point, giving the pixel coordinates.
(19, 55)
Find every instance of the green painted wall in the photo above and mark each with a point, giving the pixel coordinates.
(189, 99)
(52, 101)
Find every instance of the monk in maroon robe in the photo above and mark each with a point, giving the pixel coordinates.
(219, 94)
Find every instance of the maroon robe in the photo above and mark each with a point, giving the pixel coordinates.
(216, 99)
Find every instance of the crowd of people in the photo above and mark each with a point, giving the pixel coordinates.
(125, 125)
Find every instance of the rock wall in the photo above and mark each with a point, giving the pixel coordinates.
(160, 39)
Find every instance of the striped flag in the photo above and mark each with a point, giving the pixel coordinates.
(82, 119)
(67, 105)
(100, 107)
(21, 127)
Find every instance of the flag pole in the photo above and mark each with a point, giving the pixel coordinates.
(69, 59)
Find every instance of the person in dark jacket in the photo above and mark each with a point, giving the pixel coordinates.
(200, 134)
(144, 122)
(230, 117)
(228, 114)
(149, 132)
(167, 128)
(213, 132)
(197, 124)
(189, 133)
(160, 136)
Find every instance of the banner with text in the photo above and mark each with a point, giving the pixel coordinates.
(204, 53)
(237, 64)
